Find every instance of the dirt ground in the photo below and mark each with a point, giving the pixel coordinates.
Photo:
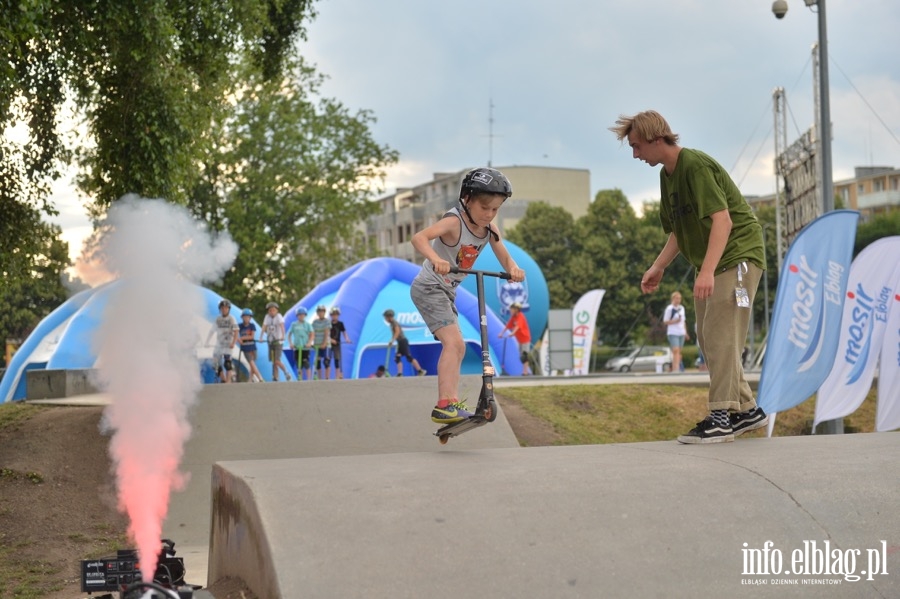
(58, 502)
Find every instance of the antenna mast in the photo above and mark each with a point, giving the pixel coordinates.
(490, 132)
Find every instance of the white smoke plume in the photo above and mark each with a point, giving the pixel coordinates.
(158, 254)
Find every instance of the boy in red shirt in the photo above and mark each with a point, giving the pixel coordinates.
(518, 328)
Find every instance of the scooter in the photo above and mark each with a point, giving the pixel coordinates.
(486, 409)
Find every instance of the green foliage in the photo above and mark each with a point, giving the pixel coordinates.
(547, 233)
(288, 174)
(31, 270)
(608, 248)
(147, 76)
(885, 224)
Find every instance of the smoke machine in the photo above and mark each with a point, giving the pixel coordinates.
(122, 573)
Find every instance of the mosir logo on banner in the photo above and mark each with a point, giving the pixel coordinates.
(808, 308)
(868, 308)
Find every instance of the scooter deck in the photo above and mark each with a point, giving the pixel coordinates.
(457, 428)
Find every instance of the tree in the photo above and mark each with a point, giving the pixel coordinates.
(884, 224)
(608, 248)
(619, 247)
(547, 233)
(32, 276)
(289, 175)
(148, 76)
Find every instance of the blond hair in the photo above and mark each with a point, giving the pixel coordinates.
(649, 125)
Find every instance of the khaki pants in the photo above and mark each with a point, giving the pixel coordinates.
(721, 332)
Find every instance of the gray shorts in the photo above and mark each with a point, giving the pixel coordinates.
(435, 303)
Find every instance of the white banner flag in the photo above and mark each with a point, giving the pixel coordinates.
(887, 417)
(545, 354)
(871, 286)
(584, 319)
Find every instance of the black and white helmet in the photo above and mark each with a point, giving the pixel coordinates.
(224, 304)
(485, 180)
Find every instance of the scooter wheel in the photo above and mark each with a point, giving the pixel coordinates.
(490, 414)
(444, 438)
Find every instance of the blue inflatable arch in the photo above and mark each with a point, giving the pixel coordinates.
(65, 339)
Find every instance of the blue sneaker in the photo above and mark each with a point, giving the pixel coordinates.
(454, 412)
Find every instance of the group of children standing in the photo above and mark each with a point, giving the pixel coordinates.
(321, 337)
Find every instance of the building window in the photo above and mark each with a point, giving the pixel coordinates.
(877, 185)
(860, 188)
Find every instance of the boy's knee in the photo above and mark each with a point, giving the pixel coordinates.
(458, 349)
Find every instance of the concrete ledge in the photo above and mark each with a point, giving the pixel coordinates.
(631, 520)
(306, 419)
(55, 384)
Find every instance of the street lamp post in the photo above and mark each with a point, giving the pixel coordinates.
(779, 7)
(825, 116)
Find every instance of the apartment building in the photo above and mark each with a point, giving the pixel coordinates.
(872, 190)
(411, 209)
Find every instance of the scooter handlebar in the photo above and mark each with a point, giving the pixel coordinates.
(486, 273)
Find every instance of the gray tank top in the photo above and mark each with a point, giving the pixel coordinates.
(462, 255)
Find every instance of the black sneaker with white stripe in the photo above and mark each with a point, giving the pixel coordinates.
(741, 422)
(708, 431)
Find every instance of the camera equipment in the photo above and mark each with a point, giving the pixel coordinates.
(123, 573)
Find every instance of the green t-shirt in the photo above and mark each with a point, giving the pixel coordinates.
(697, 188)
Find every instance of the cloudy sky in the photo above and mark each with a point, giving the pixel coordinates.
(559, 73)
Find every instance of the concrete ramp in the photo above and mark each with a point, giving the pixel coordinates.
(307, 419)
(631, 520)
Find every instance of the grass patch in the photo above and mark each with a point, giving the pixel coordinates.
(31, 476)
(23, 580)
(596, 414)
(14, 412)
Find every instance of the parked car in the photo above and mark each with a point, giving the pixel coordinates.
(642, 358)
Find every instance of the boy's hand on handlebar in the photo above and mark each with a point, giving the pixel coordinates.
(517, 275)
(441, 267)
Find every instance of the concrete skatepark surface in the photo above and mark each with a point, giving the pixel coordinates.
(330, 489)
(631, 520)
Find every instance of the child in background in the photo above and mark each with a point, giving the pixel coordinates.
(247, 336)
(675, 320)
(402, 346)
(456, 240)
(322, 327)
(518, 328)
(226, 331)
(301, 338)
(337, 327)
(273, 331)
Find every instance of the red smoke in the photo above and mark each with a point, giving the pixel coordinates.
(147, 358)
